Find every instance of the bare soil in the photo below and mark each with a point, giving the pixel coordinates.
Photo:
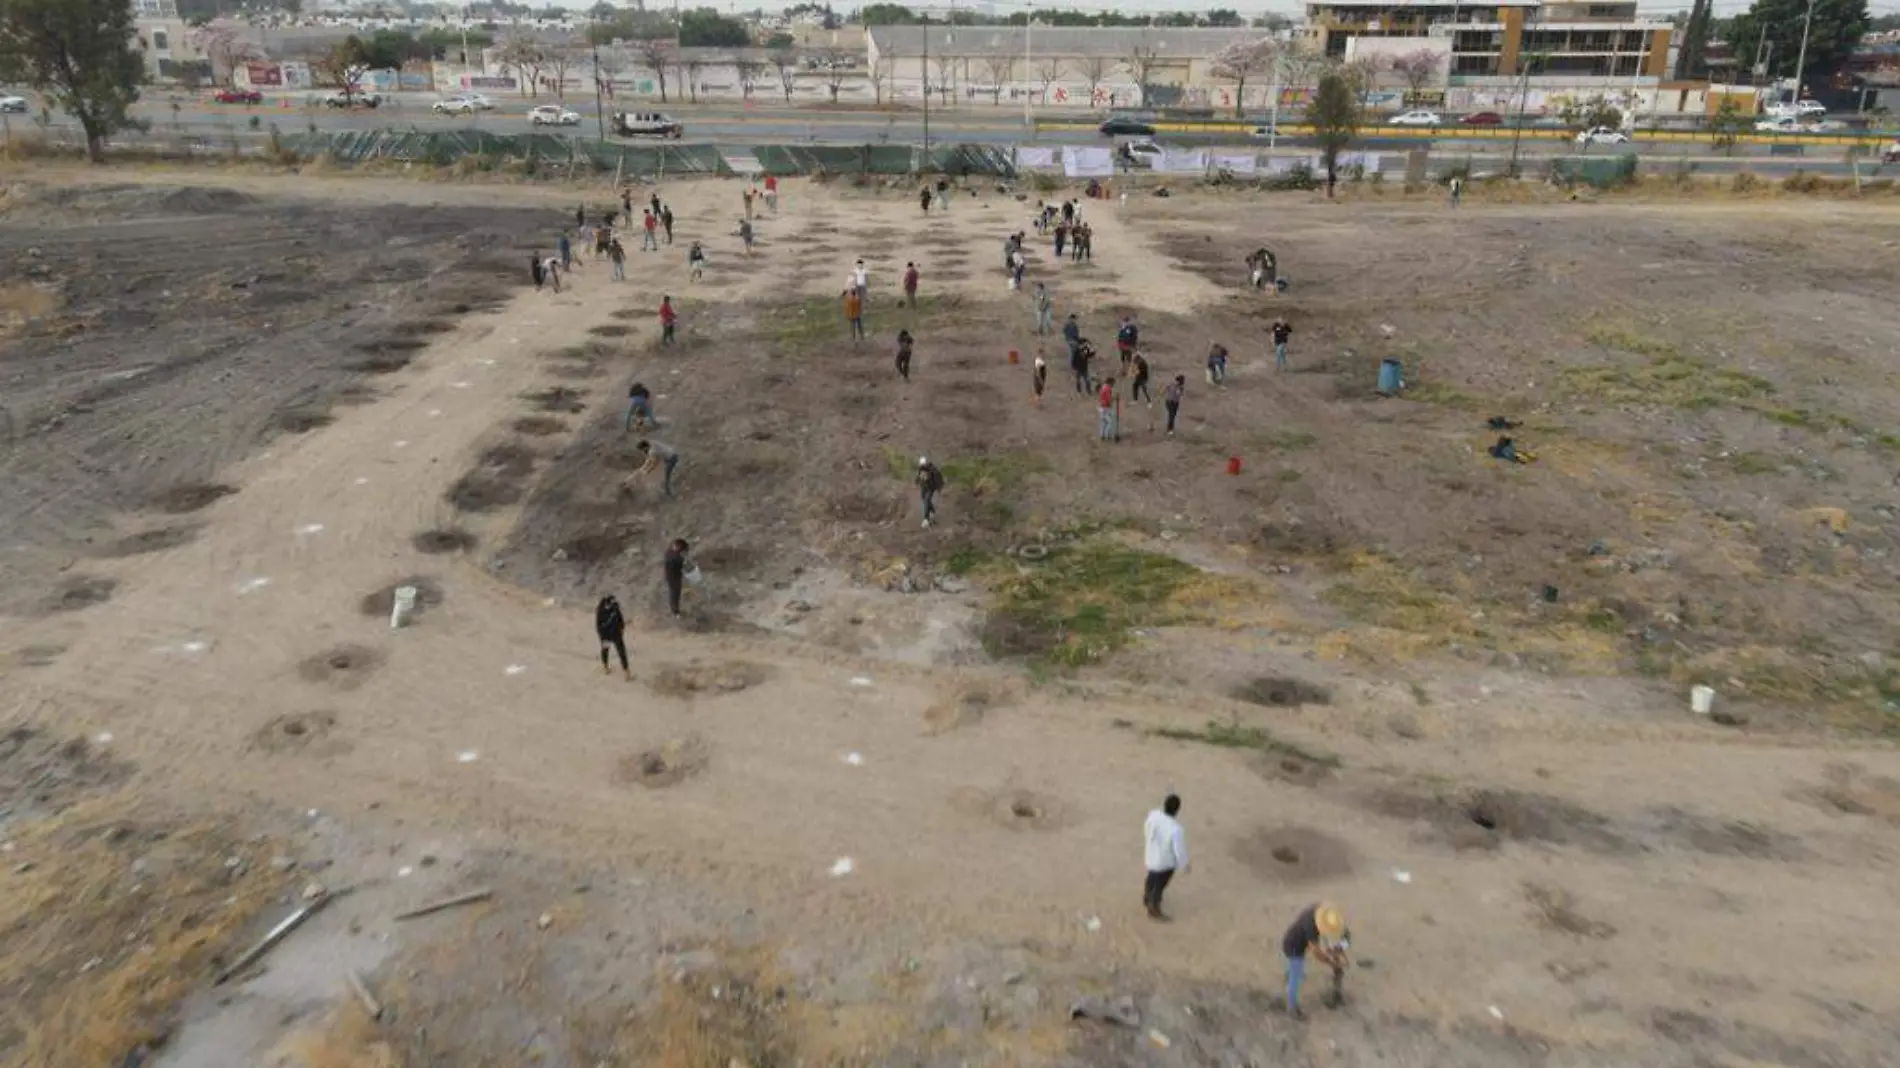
(874, 796)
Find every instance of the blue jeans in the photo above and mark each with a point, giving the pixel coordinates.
(641, 410)
(1295, 975)
(1107, 427)
(666, 480)
(1279, 354)
(620, 270)
(1044, 320)
(649, 241)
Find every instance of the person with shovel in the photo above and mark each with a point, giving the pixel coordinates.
(1319, 930)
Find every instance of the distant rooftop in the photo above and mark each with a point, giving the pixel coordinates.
(1060, 40)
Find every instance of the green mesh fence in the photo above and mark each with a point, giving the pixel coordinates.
(555, 152)
(1604, 173)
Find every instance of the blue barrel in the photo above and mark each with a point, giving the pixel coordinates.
(1391, 377)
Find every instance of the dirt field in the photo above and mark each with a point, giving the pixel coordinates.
(874, 799)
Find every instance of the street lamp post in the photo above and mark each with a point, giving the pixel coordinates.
(925, 71)
(1027, 71)
(1801, 62)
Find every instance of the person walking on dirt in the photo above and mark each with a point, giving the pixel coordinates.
(1282, 331)
(1108, 428)
(664, 457)
(771, 192)
(929, 484)
(653, 204)
(1139, 389)
(745, 234)
(1216, 364)
(854, 313)
(1062, 236)
(1085, 243)
(910, 284)
(639, 406)
(1045, 309)
(696, 262)
(1038, 379)
(1017, 266)
(674, 567)
(1125, 337)
(536, 271)
(668, 319)
(748, 201)
(580, 216)
(610, 625)
(552, 265)
(860, 280)
(923, 199)
(1320, 930)
(1171, 399)
(1457, 190)
(1165, 852)
(1072, 333)
(1079, 358)
(626, 203)
(649, 236)
(565, 249)
(904, 343)
(617, 255)
(666, 220)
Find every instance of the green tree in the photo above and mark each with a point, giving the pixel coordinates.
(1838, 26)
(1590, 113)
(887, 15)
(1728, 123)
(82, 55)
(1224, 18)
(343, 66)
(1334, 116)
(704, 27)
(390, 49)
(1690, 58)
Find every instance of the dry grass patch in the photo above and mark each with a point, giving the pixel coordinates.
(109, 922)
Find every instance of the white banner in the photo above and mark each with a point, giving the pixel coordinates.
(1087, 161)
(1028, 158)
(1175, 162)
(1284, 165)
(1236, 164)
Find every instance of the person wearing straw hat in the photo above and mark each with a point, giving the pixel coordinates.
(1320, 930)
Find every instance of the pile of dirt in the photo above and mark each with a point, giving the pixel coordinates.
(665, 765)
(696, 677)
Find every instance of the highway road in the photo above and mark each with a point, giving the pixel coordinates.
(182, 115)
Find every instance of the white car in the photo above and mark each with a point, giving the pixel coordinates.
(1779, 124)
(1602, 135)
(13, 104)
(1142, 152)
(554, 115)
(1891, 154)
(1417, 118)
(463, 104)
(1795, 110)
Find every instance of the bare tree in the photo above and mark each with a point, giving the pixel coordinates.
(999, 68)
(836, 63)
(607, 64)
(1141, 62)
(786, 62)
(1095, 70)
(1048, 72)
(656, 53)
(1419, 67)
(560, 57)
(1362, 74)
(342, 68)
(750, 70)
(1300, 67)
(690, 71)
(880, 76)
(946, 75)
(222, 44)
(526, 56)
(1245, 60)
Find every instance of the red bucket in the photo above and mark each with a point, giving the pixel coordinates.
(1014, 356)
(1233, 465)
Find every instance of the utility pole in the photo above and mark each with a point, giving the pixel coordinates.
(1028, 71)
(925, 69)
(1801, 63)
(1523, 97)
(600, 102)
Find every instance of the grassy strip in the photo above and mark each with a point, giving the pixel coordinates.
(1235, 736)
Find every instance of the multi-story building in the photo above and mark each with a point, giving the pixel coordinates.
(1502, 38)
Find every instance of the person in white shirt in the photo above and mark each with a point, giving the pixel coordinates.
(860, 280)
(1166, 848)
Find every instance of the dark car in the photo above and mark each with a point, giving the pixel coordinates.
(1483, 118)
(1125, 127)
(239, 96)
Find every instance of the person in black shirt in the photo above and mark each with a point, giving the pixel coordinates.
(1079, 358)
(904, 343)
(675, 568)
(1320, 929)
(1282, 330)
(929, 484)
(1139, 388)
(611, 626)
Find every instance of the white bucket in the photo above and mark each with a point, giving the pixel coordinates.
(1701, 700)
(403, 606)
(694, 576)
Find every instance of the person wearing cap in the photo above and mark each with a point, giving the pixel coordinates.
(1321, 930)
(1165, 850)
(929, 484)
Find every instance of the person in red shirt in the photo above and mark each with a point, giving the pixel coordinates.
(649, 239)
(667, 318)
(910, 284)
(1107, 430)
(771, 192)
